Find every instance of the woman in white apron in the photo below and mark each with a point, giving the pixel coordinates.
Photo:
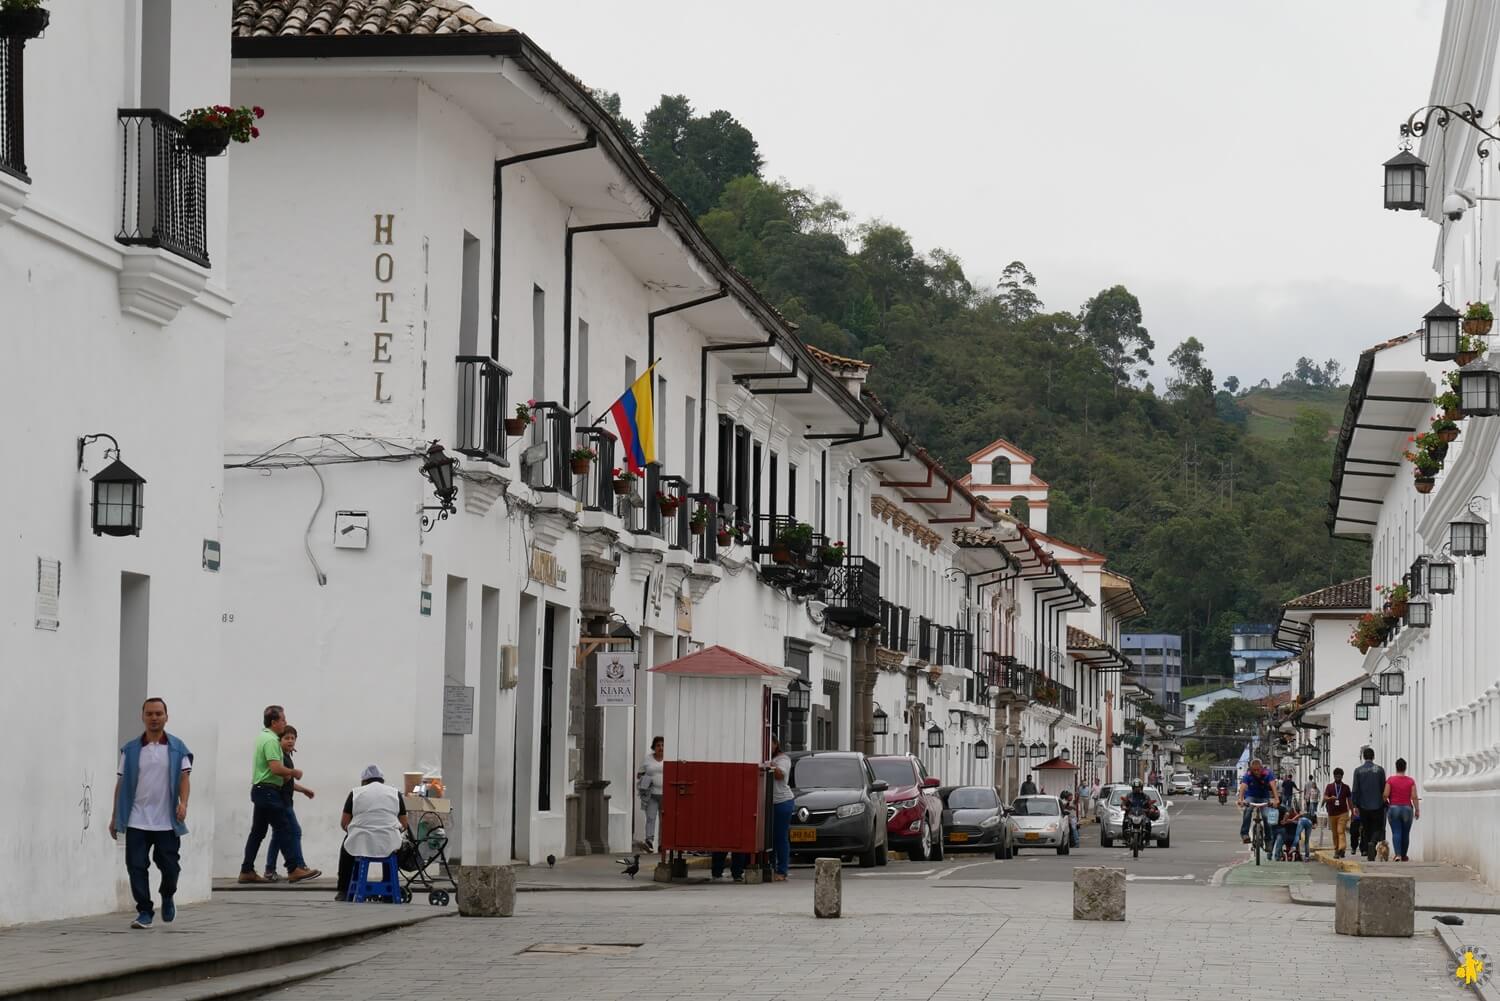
(374, 816)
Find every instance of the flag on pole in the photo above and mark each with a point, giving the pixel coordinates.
(636, 423)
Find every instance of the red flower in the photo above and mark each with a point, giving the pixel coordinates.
(258, 111)
(254, 132)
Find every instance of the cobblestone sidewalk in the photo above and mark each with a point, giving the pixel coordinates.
(914, 940)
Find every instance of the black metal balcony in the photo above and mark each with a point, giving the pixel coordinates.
(165, 194)
(853, 592)
(704, 526)
(671, 503)
(595, 486)
(895, 627)
(785, 562)
(12, 108)
(544, 463)
(483, 388)
(927, 634)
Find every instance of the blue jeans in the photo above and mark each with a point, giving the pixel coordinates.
(1269, 812)
(1298, 838)
(138, 847)
(737, 863)
(270, 813)
(288, 843)
(782, 835)
(1400, 818)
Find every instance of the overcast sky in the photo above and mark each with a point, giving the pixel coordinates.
(1221, 160)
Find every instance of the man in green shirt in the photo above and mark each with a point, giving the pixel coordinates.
(267, 776)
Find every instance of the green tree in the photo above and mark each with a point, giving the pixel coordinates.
(697, 156)
(1112, 322)
(610, 101)
(1225, 727)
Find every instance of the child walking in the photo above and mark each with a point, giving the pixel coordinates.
(293, 828)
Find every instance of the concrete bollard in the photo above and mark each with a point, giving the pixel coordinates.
(1098, 893)
(1374, 905)
(486, 891)
(828, 888)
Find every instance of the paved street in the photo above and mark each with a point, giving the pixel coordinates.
(964, 928)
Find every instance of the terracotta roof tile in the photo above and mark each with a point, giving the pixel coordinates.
(1079, 639)
(719, 662)
(1349, 594)
(283, 18)
(834, 363)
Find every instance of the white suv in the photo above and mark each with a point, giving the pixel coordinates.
(1182, 782)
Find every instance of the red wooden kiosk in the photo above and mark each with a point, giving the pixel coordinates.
(717, 725)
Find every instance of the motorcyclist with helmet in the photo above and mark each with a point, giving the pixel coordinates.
(1137, 802)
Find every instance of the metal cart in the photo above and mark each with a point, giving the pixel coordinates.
(423, 858)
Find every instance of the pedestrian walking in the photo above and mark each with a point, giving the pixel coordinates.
(1368, 796)
(374, 817)
(152, 789)
(284, 845)
(1028, 788)
(1403, 806)
(783, 805)
(1336, 806)
(649, 784)
(267, 776)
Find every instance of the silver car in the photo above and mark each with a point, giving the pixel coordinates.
(1038, 822)
(1114, 817)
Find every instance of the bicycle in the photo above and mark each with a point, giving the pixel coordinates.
(1258, 842)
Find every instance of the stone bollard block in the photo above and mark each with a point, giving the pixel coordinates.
(828, 888)
(1374, 905)
(1098, 893)
(662, 873)
(486, 891)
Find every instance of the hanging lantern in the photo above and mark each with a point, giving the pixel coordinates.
(1418, 613)
(1361, 711)
(799, 696)
(934, 736)
(1369, 695)
(1010, 750)
(1479, 389)
(1440, 576)
(882, 723)
(438, 467)
(117, 506)
(1405, 182)
(981, 749)
(1038, 750)
(1392, 682)
(1440, 333)
(1466, 535)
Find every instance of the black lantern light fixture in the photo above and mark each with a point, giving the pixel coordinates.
(439, 467)
(1393, 680)
(1038, 750)
(880, 724)
(981, 749)
(1414, 581)
(1405, 181)
(1361, 711)
(1418, 613)
(1369, 695)
(1010, 749)
(116, 505)
(799, 696)
(1440, 333)
(1441, 575)
(934, 736)
(1467, 534)
(1479, 389)
(1101, 758)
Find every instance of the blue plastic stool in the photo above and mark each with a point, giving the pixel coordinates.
(363, 888)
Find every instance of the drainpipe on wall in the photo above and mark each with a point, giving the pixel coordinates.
(569, 233)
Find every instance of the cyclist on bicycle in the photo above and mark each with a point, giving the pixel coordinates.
(1257, 785)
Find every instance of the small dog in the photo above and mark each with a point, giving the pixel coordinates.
(1383, 852)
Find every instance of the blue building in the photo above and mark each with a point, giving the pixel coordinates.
(1253, 652)
(1158, 659)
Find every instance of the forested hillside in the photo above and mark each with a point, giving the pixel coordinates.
(1216, 525)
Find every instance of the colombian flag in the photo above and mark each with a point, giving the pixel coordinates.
(637, 427)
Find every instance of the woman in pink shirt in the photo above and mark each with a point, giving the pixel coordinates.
(1403, 805)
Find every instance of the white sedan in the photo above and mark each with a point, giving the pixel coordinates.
(1114, 817)
(1038, 822)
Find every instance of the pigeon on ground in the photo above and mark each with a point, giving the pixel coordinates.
(632, 867)
(1449, 919)
(551, 861)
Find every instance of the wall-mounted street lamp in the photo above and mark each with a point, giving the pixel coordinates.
(439, 467)
(1467, 533)
(116, 506)
(1393, 681)
(1038, 750)
(1418, 613)
(981, 749)
(1101, 758)
(1361, 711)
(1369, 695)
(881, 722)
(934, 736)
(1010, 749)
(799, 696)
(1441, 574)
(1405, 181)
(1479, 389)
(1440, 333)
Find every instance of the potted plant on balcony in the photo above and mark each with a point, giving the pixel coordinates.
(1449, 400)
(667, 503)
(796, 537)
(729, 533)
(698, 522)
(517, 425)
(23, 18)
(580, 459)
(1469, 348)
(832, 555)
(1478, 319)
(624, 481)
(1445, 428)
(1369, 631)
(1395, 597)
(208, 131)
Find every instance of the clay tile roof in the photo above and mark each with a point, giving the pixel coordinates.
(1079, 639)
(1275, 700)
(719, 662)
(836, 363)
(1349, 594)
(282, 18)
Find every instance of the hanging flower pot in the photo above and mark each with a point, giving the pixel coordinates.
(1477, 328)
(1425, 484)
(1465, 357)
(1448, 435)
(515, 426)
(667, 503)
(24, 21)
(780, 553)
(206, 140)
(580, 459)
(724, 537)
(1478, 319)
(208, 131)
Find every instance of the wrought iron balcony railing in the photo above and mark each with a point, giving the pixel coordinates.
(165, 195)
(595, 486)
(544, 463)
(12, 108)
(853, 592)
(483, 387)
(674, 518)
(895, 627)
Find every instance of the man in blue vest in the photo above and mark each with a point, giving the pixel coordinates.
(151, 803)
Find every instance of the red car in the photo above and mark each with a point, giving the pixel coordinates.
(913, 808)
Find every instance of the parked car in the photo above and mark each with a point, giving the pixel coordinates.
(1101, 802)
(1181, 783)
(913, 808)
(840, 808)
(1161, 827)
(974, 820)
(1038, 822)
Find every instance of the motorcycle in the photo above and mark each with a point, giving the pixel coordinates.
(1203, 792)
(1136, 830)
(1223, 796)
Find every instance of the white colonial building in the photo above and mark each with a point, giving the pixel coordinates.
(113, 257)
